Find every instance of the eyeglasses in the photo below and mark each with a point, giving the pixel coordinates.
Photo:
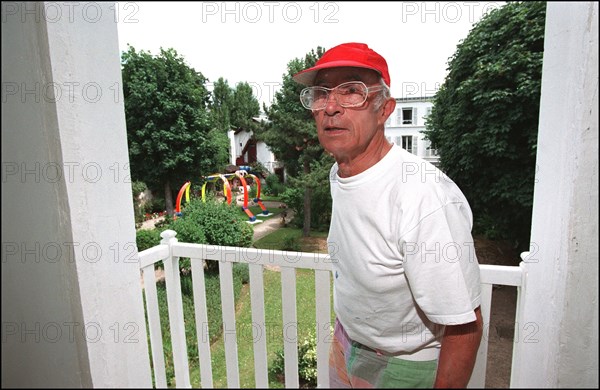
(350, 94)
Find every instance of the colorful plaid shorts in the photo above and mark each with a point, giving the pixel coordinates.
(354, 365)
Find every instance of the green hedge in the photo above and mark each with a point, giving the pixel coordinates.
(146, 239)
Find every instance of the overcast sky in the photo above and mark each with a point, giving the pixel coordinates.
(254, 41)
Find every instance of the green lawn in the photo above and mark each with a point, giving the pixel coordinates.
(257, 211)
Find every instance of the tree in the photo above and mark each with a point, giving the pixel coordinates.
(292, 136)
(220, 105)
(244, 107)
(485, 117)
(233, 108)
(168, 127)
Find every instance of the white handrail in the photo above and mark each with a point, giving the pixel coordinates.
(170, 251)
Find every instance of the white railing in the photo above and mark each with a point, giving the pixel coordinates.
(169, 251)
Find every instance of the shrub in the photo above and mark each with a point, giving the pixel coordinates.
(307, 363)
(258, 169)
(320, 206)
(137, 187)
(273, 186)
(147, 239)
(222, 224)
(212, 222)
(157, 204)
(190, 330)
(290, 243)
(164, 223)
(189, 230)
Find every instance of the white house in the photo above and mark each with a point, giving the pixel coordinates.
(246, 150)
(405, 126)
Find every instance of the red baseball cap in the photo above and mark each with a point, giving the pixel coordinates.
(352, 54)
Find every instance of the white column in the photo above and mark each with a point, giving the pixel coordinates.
(557, 341)
(70, 277)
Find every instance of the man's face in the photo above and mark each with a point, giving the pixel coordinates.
(348, 133)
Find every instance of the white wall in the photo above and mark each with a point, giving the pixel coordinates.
(72, 311)
(265, 156)
(558, 342)
(395, 129)
(232, 148)
(240, 140)
(421, 107)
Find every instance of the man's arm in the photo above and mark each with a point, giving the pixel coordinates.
(457, 355)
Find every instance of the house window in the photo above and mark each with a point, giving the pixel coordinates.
(409, 143)
(407, 115)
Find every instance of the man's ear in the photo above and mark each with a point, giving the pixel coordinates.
(388, 108)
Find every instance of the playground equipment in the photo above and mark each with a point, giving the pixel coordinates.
(265, 212)
(225, 178)
(185, 188)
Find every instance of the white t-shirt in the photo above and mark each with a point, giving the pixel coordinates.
(403, 256)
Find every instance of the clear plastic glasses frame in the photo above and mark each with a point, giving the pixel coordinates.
(349, 94)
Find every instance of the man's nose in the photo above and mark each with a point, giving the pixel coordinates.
(331, 105)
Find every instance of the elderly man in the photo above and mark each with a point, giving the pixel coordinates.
(406, 277)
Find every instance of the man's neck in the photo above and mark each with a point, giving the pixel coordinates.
(348, 167)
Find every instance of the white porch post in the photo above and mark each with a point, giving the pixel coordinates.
(72, 309)
(557, 341)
